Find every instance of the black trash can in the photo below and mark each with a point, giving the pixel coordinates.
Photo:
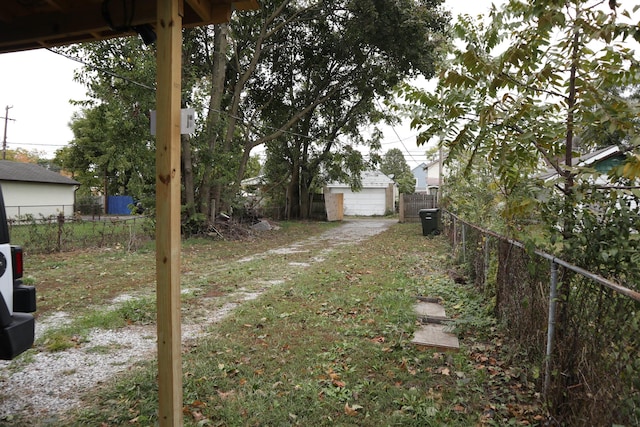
(430, 219)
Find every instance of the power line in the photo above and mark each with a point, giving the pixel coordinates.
(103, 70)
(403, 139)
(241, 120)
(398, 136)
(39, 144)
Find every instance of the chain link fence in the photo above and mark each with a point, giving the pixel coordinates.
(579, 332)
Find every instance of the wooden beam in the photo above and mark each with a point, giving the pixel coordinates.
(65, 26)
(169, 53)
(246, 5)
(203, 8)
(62, 22)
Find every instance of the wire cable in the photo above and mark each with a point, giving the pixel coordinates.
(400, 140)
(102, 70)
(225, 113)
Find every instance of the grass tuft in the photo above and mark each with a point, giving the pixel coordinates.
(331, 346)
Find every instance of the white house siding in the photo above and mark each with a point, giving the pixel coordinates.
(37, 199)
(376, 197)
(369, 201)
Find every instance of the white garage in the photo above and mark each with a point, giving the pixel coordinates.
(30, 189)
(376, 197)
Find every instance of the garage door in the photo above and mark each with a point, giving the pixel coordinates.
(369, 201)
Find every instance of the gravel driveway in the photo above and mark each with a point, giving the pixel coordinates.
(44, 384)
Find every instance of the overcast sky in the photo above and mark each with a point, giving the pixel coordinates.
(38, 86)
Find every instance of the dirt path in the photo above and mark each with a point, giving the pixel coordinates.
(44, 384)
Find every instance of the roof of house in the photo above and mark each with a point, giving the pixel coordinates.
(30, 172)
(369, 179)
(586, 160)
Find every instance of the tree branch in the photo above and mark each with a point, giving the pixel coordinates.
(532, 87)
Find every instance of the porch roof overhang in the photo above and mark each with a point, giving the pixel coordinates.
(32, 24)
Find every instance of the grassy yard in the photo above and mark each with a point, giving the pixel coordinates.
(329, 346)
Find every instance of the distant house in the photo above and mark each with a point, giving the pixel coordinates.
(427, 177)
(377, 196)
(30, 189)
(420, 174)
(602, 161)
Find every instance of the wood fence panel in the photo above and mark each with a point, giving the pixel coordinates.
(410, 205)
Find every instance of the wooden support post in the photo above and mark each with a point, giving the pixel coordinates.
(169, 46)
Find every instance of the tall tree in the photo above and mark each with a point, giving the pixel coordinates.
(112, 146)
(518, 89)
(323, 77)
(301, 75)
(395, 166)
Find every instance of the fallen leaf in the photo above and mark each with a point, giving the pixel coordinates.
(339, 384)
(351, 411)
(445, 371)
(198, 404)
(403, 364)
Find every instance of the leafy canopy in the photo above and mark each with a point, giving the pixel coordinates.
(519, 88)
(394, 165)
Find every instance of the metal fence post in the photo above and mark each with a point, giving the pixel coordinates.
(455, 234)
(464, 242)
(486, 260)
(551, 327)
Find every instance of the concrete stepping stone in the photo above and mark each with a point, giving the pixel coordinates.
(433, 332)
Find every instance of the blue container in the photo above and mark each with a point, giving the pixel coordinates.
(119, 205)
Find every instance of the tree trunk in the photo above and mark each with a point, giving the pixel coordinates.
(242, 167)
(293, 205)
(187, 173)
(569, 222)
(305, 202)
(219, 65)
(306, 179)
(562, 329)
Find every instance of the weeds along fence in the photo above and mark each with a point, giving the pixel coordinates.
(579, 332)
(60, 233)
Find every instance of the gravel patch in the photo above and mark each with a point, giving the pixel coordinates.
(44, 384)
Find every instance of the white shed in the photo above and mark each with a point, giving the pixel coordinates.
(376, 197)
(30, 189)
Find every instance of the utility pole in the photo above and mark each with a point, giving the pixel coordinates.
(4, 141)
